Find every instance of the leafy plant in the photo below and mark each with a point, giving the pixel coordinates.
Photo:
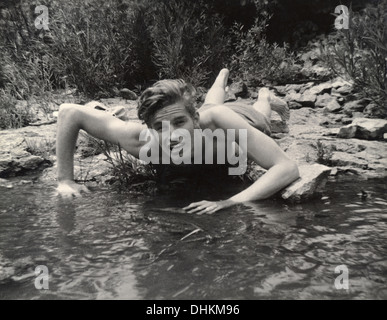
(12, 115)
(189, 42)
(44, 148)
(359, 53)
(258, 60)
(129, 173)
(324, 153)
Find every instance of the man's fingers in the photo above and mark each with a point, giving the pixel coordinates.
(194, 210)
(212, 210)
(194, 205)
(204, 209)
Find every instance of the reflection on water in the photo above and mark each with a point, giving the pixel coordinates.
(109, 245)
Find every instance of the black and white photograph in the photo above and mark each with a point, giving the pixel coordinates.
(192, 155)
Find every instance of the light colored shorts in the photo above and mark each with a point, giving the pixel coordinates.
(247, 112)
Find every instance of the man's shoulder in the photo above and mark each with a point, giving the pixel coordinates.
(209, 116)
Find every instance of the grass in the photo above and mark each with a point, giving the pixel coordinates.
(324, 153)
(41, 147)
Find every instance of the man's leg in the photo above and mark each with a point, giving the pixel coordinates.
(217, 93)
(268, 102)
(262, 104)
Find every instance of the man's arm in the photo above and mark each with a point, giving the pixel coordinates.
(73, 118)
(281, 171)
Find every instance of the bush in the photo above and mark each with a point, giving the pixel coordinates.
(324, 153)
(360, 52)
(128, 172)
(12, 115)
(258, 61)
(189, 42)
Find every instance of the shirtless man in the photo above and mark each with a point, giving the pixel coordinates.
(172, 101)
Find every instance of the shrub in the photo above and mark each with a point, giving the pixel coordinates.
(129, 173)
(359, 53)
(12, 115)
(189, 42)
(44, 148)
(256, 58)
(324, 153)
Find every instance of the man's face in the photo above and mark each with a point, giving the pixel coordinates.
(177, 117)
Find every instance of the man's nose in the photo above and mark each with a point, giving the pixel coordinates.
(171, 129)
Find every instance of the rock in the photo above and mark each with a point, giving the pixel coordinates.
(25, 149)
(333, 106)
(293, 87)
(354, 106)
(306, 86)
(324, 100)
(128, 94)
(385, 137)
(338, 117)
(346, 120)
(344, 90)
(363, 128)
(280, 90)
(312, 180)
(93, 168)
(239, 89)
(278, 126)
(5, 184)
(333, 132)
(292, 96)
(307, 99)
(18, 162)
(315, 71)
(334, 172)
(343, 159)
(294, 105)
(357, 115)
(373, 110)
(339, 83)
(322, 88)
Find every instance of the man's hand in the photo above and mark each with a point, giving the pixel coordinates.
(69, 189)
(208, 207)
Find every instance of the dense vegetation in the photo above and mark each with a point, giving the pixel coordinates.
(98, 47)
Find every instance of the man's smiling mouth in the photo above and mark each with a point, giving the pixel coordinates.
(174, 144)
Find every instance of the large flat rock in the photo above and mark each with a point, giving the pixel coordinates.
(364, 128)
(15, 155)
(312, 180)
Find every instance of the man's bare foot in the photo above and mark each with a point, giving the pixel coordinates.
(280, 106)
(276, 104)
(222, 78)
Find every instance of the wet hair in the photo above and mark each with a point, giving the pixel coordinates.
(165, 93)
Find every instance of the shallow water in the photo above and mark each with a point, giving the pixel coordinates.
(108, 245)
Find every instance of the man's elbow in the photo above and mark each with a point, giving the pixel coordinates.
(69, 113)
(293, 171)
(66, 110)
